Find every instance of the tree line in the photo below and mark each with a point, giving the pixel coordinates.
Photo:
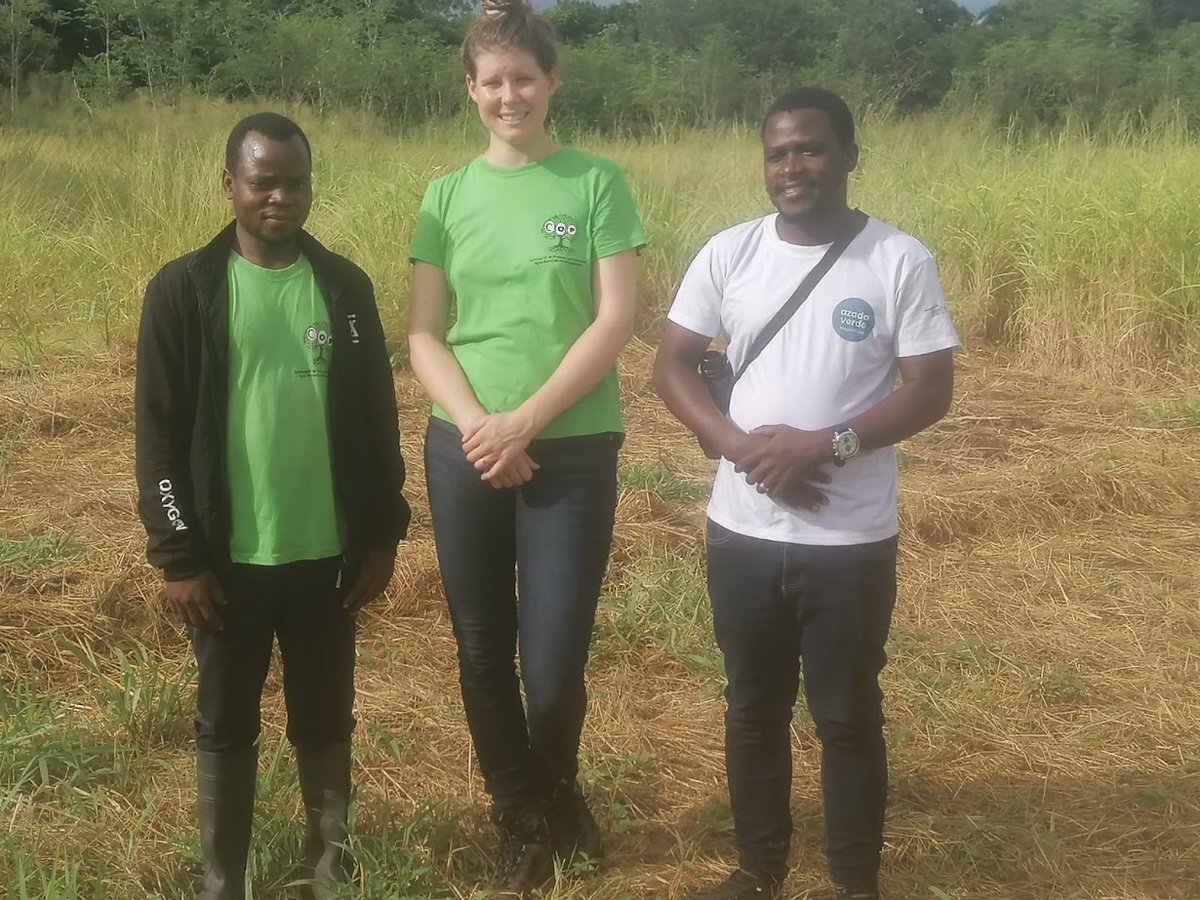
(633, 65)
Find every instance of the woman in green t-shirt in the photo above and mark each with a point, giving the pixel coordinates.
(533, 246)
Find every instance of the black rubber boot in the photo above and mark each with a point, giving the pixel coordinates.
(225, 808)
(325, 787)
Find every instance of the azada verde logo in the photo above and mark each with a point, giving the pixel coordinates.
(854, 319)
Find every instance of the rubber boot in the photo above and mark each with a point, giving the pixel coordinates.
(325, 787)
(225, 808)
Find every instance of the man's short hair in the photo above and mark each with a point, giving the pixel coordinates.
(816, 98)
(268, 124)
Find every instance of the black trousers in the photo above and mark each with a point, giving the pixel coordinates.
(522, 567)
(781, 610)
(300, 604)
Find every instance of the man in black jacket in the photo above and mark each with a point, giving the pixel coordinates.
(269, 477)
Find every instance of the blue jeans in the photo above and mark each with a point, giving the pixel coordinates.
(781, 610)
(301, 604)
(522, 567)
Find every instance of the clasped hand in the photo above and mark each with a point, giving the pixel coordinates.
(783, 462)
(496, 445)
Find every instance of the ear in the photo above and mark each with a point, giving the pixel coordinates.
(852, 157)
(227, 184)
(471, 88)
(553, 75)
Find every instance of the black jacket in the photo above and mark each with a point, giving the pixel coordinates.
(181, 403)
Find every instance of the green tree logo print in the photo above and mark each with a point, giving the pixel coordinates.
(319, 337)
(561, 229)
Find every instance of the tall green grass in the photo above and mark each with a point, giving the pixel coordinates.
(1075, 250)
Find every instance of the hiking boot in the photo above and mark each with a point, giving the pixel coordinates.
(225, 809)
(741, 885)
(573, 828)
(325, 787)
(525, 860)
(842, 892)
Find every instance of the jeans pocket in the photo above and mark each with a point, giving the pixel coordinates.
(716, 535)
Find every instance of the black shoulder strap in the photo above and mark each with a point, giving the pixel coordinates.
(858, 221)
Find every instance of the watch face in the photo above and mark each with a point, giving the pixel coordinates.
(847, 443)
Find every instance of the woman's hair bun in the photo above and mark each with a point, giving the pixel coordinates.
(502, 7)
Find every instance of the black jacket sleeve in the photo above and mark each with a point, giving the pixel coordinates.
(390, 512)
(164, 416)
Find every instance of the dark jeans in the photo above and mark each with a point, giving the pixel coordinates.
(301, 603)
(780, 609)
(546, 543)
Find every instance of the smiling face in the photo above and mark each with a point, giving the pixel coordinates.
(271, 192)
(513, 95)
(806, 168)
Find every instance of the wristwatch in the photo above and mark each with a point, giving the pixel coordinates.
(845, 444)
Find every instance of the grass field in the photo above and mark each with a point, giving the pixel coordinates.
(1044, 720)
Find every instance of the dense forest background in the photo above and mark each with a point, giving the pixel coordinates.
(629, 65)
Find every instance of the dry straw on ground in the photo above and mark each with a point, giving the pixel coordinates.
(1044, 720)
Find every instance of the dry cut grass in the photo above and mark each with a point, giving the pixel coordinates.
(1044, 721)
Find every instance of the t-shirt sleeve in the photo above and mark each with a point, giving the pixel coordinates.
(697, 303)
(429, 237)
(615, 223)
(924, 324)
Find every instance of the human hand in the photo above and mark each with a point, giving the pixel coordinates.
(516, 471)
(374, 573)
(784, 464)
(497, 443)
(738, 446)
(195, 600)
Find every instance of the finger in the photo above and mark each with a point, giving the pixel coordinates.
(818, 476)
(808, 499)
(762, 472)
(361, 599)
(751, 460)
(191, 615)
(766, 430)
(477, 452)
(179, 611)
(497, 468)
(352, 596)
(216, 593)
(374, 593)
(473, 429)
(208, 614)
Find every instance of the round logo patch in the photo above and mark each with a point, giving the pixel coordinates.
(853, 319)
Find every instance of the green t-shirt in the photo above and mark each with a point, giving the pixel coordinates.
(278, 456)
(517, 246)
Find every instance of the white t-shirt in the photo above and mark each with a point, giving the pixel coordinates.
(835, 358)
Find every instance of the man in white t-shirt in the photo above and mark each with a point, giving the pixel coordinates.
(802, 524)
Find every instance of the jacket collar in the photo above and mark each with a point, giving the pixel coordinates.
(209, 264)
